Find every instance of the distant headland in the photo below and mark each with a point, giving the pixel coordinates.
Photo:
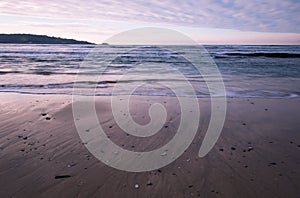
(37, 39)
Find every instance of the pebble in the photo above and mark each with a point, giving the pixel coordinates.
(250, 148)
(136, 186)
(62, 176)
(149, 183)
(71, 164)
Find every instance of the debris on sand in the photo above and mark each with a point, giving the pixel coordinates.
(61, 176)
(272, 164)
(149, 183)
(250, 148)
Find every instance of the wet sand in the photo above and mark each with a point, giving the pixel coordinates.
(257, 154)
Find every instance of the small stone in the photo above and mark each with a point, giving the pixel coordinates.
(149, 183)
(244, 124)
(250, 148)
(136, 186)
(233, 148)
(71, 164)
(48, 118)
(221, 149)
(190, 186)
(44, 114)
(25, 138)
(62, 176)
(273, 163)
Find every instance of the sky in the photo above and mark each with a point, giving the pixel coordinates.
(205, 21)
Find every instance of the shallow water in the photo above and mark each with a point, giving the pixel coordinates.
(247, 71)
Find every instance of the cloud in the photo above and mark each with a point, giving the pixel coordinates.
(255, 15)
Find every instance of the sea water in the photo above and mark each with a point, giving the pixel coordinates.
(247, 71)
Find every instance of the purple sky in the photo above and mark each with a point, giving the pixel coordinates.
(206, 21)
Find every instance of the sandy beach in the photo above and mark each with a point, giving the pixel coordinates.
(257, 154)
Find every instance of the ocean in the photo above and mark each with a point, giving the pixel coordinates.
(247, 70)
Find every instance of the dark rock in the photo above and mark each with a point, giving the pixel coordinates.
(149, 183)
(250, 148)
(62, 176)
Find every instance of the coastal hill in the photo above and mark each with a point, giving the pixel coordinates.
(37, 39)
